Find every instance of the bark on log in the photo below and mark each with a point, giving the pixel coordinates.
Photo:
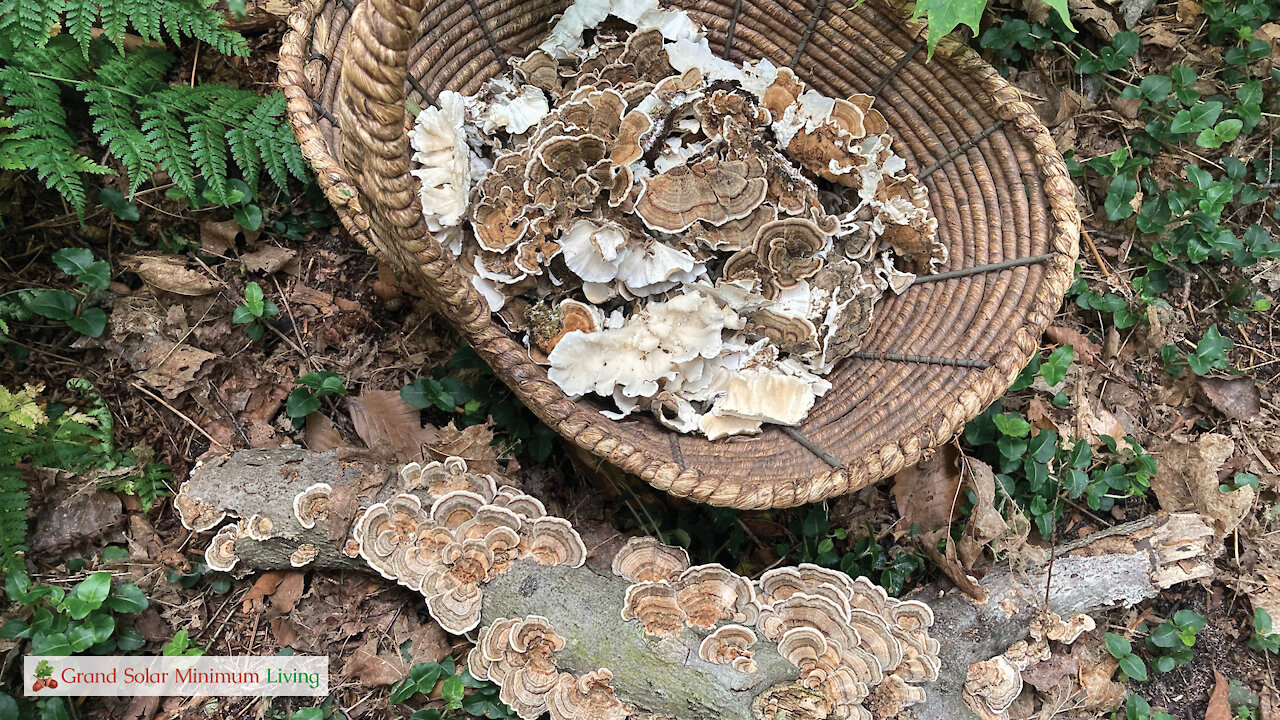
(665, 677)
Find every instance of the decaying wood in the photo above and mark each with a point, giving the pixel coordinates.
(1122, 566)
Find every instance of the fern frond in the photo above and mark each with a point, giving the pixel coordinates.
(209, 147)
(81, 16)
(113, 96)
(27, 23)
(168, 136)
(13, 503)
(41, 139)
(197, 19)
(115, 20)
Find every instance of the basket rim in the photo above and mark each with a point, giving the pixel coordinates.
(595, 433)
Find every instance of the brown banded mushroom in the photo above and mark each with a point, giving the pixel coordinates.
(654, 605)
(710, 191)
(991, 686)
(589, 697)
(523, 505)
(303, 555)
(518, 655)
(258, 527)
(856, 650)
(442, 477)
(623, 164)
(710, 593)
(553, 541)
(452, 588)
(196, 515)
(646, 559)
(730, 645)
(312, 504)
(221, 553)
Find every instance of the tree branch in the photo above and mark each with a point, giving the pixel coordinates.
(665, 677)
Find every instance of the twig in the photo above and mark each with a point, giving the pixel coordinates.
(179, 413)
(1102, 265)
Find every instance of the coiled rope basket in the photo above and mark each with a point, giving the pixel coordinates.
(935, 356)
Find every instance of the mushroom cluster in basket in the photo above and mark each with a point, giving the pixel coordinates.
(667, 230)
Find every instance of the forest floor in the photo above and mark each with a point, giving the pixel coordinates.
(1171, 380)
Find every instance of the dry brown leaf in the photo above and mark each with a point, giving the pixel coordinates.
(1188, 12)
(1237, 398)
(267, 582)
(286, 634)
(282, 589)
(1161, 36)
(1219, 702)
(268, 260)
(1099, 17)
(429, 641)
(171, 274)
(171, 369)
(1270, 703)
(985, 522)
(346, 502)
(320, 434)
(1187, 477)
(1058, 669)
(81, 517)
(1097, 668)
(473, 444)
(218, 237)
(373, 669)
(927, 493)
(1085, 349)
(381, 417)
(304, 295)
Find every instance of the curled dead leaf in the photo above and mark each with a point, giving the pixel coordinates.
(170, 273)
(928, 493)
(1187, 477)
(382, 417)
(268, 259)
(1219, 702)
(1237, 398)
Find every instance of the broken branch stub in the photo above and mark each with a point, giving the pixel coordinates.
(656, 637)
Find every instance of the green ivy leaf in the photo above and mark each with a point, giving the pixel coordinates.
(101, 626)
(1189, 619)
(91, 322)
(946, 15)
(301, 403)
(1012, 425)
(127, 599)
(53, 304)
(115, 201)
(1165, 635)
(1118, 645)
(1055, 370)
(1133, 666)
(88, 595)
(130, 639)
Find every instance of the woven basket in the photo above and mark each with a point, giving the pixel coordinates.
(936, 355)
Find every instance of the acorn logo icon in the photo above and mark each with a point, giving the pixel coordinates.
(44, 677)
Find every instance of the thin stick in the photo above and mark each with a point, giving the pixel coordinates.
(1102, 265)
(179, 413)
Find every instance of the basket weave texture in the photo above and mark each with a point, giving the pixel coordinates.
(935, 357)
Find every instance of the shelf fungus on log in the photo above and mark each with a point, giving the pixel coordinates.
(622, 175)
(645, 634)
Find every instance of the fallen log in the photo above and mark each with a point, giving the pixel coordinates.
(656, 638)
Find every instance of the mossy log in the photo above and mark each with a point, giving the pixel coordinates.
(665, 677)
